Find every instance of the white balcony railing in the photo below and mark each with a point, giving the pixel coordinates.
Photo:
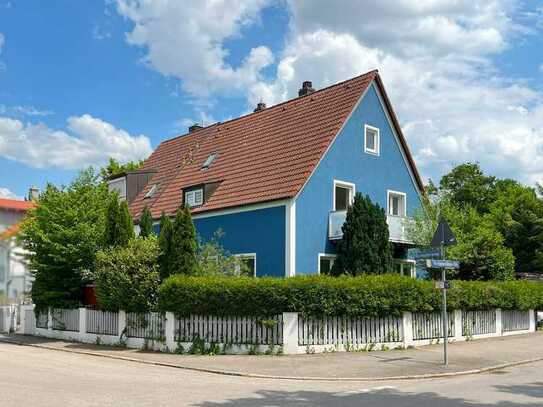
(397, 227)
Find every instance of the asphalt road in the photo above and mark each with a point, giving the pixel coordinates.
(39, 377)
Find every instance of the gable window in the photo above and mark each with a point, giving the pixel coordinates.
(326, 261)
(249, 262)
(343, 195)
(194, 197)
(371, 139)
(396, 203)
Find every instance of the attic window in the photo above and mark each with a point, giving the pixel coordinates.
(151, 192)
(194, 197)
(209, 160)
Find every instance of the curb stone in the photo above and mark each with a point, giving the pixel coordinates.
(298, 378)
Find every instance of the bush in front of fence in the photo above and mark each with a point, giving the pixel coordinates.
(368, 295)
(127, 277)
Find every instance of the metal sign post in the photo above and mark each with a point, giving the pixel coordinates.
(444, 237)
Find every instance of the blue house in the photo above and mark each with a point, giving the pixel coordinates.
(278, 181)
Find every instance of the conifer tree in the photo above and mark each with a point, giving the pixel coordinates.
(164, 243)
(146, 223)
(126, 227)
(183, 244)
(365, 247)
(119, 226)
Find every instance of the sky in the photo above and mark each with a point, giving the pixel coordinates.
(82, 81)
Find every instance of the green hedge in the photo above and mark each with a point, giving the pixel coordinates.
(322, 295)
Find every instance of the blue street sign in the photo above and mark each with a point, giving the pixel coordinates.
(443, 264)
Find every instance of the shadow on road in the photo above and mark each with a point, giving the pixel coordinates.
(532, 390)
(377, 398)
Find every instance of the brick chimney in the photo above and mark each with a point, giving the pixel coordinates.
(307, 88)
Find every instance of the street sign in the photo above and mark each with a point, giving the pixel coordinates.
(443, 264)
(442, 285)
(443, 236)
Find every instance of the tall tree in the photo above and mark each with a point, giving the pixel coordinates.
(61, 236)
(126, 225)
(165, 246)
(146, 223)
(115, 168)
(183, 244)
(518, 215)
(119, 228)
(466, 184)
(365, 247)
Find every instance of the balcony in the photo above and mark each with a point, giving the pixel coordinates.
(397, 227)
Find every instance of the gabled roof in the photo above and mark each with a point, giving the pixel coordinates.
(263, 156)
(15, 205)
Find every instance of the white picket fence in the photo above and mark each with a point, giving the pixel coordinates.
(102, 323)
(293, 332)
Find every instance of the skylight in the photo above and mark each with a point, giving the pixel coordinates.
(151, 192)
(209, 160)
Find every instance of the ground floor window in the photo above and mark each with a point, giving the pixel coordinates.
(404, 267)
(249, 262)
(326, 261)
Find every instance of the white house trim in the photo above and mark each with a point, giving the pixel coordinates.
(396, 137)
(345, 184)
(377, 149)
(290, 238)
(247, 255)
(390, 191)
(320, 255)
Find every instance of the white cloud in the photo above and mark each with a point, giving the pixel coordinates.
(185, 40)
(30, 111)
(2, 40)
(7, 194)
(87, 141)
(435, 57)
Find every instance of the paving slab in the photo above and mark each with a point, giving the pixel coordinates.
(464, 358)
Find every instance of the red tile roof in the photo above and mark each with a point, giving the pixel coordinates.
(263, 156)
(15, 205)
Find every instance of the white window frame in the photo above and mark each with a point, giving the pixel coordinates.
(402, 194)
(193, 191)
(412, 264)
(325, 255)
(343, 184)
(246, 256)
(377, 150)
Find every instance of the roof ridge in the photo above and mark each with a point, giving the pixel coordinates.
(369, 73)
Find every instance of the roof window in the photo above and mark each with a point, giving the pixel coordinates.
(209, 160)
(151, 192)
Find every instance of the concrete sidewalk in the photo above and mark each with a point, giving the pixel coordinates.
(464, 358)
